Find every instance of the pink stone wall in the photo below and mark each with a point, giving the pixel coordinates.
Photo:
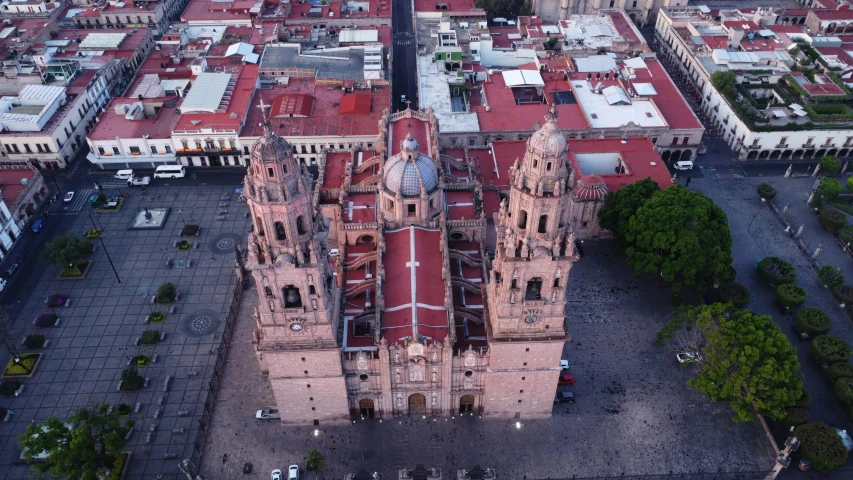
(522, 378)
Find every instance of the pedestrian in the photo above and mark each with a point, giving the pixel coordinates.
(363, 456)
(688, 182)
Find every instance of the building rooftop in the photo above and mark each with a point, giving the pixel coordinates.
(10, 184)
(336, 9)
(440, 6)
(220, 10)
(113, 124)
(232, 105)
(337, 63)
(334, 112)
(452, 113)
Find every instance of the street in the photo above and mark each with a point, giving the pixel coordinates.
(404, 79)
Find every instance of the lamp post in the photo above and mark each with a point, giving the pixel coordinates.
(168, 262)
(145, 296)
(784, 457)
(125, 352)
(105, 249)
(751, 222)
(181, 213)
(195, 182)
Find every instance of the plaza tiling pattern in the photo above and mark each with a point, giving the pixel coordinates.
(97, 332)
(634, 412)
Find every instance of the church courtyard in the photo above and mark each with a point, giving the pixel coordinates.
(634, 413)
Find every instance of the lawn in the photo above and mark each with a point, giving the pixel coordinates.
(76, 271)
(25, 367)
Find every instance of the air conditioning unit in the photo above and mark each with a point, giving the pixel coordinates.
(368, 276)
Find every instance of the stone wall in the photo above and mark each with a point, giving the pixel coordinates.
(522, 378)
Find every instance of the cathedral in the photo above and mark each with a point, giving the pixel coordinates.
(388, 288)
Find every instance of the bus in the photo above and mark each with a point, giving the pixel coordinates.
(170, 171)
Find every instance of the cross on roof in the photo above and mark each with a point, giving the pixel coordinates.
(265, 117)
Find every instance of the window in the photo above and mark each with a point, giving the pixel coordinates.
(543, 224)
(655, 141)
(534, 289)
(153, 149)
(245, 149)
(472, 142)
(809, 141)
(115, 151)
(557, 282)
(279, 231)
(535, 163)
(389, 205)
(522, 219)
(523, 378)
(300, 226)
(634, 4)
(312, 290)
(38, 147)
(168, 149)
(27, 148)
(675, 140)
(412, 209)
(848, 141)
(134, 151)
(526, 349)
(233, 144)
(100, 150)
(525, 364)
(686, 139)
(612, 2)
(270, 172)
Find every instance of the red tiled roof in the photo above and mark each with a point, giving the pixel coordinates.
(235, 113)
(10, 184)
(112, 124)
(336, 166)
(355, 104)
(217, 10)
(669, 101)
(452, 5)
(624, 27)
(292, 105)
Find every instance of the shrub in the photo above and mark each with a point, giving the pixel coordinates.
(315, 460)
(76, 270)
(124, 409)
(821, 446)
(843, 293)
(157, 317)
(789, 295)
(827, 349)
(142, 360)
(8, 387)
(118, 465)
(843, 388)
(804, 400)
(57, 301)
(149, 337)
(829, 189)
(840, 370)
(189, 230)
(832, 219)
(776, 271)
(93, 233)
(735, 293)
(131, 380)
(829, 276)
(846, 233)
(850, 184)
(766, 191)
(813, 322)
(34, 341)
(184, 245)
(829, 164)
(796, 417)
(166, 293)
(46, 320)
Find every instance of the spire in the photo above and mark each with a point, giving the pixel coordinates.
(266, 118)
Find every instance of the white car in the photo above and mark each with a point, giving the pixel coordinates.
(68, 197)
(402, 99)
(687, 358)
(2, 284)
(564, 365)
(276, 474)
(293, 472)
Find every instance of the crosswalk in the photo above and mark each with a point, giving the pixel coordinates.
(729, 171)
(81, 199)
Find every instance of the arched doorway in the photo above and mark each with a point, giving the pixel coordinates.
(833, 151)
(751, 155)
(675, 156)
(764, 154)
(417, 403)
(786, 154)
(685, 155)
(775, 153)
(820, 153)
(798, 153)
(665, 156)
(843, 153)
(365, 405)
(466, 404)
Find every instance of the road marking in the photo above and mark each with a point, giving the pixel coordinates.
(708, 172)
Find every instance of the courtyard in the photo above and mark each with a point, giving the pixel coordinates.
(634, 414)
(104, 317)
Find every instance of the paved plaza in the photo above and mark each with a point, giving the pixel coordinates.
(98, 331)
(634, 413)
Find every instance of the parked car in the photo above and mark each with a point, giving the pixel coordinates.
(687, 358)
(402, 99)
(566, 379)
(564, 365)
(2, 284)
(293, 472)
(68, 197)
(38, 225)
(564, 397)
(93, 199)
(267, 413)
(137, 181)
(11, 270)
(276, 474)
(845, 438)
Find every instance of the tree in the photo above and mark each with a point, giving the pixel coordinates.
(829, 189)
(829, 164)
(830, 277)
(84, 447)
(8, 335)
(622, 204)
(821, 446)
(682, 236)
(315, 460)
(504, 8)
(746, 360)
(725, 82)
(66, 250)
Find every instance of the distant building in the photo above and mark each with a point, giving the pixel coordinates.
(22, 191)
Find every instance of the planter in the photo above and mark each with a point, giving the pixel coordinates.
(84, 266)
(32, 358)
(56, 301)
(46, 320)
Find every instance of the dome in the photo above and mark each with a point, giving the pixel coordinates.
(270, 149)
(590, 187)
(548, 141)
(406, 174)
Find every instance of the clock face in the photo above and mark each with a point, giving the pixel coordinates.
(296, 327)
(530, 319)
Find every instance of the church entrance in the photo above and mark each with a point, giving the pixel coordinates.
(417, 404)
(466, 404)
(366, 407)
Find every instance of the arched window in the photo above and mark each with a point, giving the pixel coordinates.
(260, 226)
(312, 290)
(300, 225)
(522, 219)
(557, 282)
(534, 289)
(279, 231)
(543, 223)
(292, 298)
(268, 291)
(514, 284)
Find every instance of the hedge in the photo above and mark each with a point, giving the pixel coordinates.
(829, 276)
(776, 271)
(735, 293)
(840, 370)
(796, 417)
(804, 400)
(827, 349)
(829, 189)
(821, 446)
(766, 191)
(813, 322)
(829, 164)
(843, 388)
(789, 295)
(843, 293)
(832, 219)
(166, 293)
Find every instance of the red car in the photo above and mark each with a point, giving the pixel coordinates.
(566, 379)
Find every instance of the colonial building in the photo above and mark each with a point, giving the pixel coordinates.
(378, 295)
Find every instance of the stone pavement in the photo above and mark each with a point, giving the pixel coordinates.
(634, 413)
(97, 332)
(757, 233)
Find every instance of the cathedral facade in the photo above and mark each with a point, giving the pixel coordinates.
(387, 288)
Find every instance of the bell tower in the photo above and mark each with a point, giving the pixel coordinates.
(298, 310)
(527, 285)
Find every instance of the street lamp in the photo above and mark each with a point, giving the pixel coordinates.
(105, 249)
(181, 213)
(751, 222)
(168, 262)
(125, 352)
(195, 182)
(145, 296)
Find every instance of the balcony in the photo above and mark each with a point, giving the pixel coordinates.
(808, 145)
(782, 145)
(753, 147)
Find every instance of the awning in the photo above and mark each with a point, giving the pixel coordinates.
(523, 78)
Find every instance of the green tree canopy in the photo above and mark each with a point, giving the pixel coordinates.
(622, 204)
(84, 447)
(66, 249)
(746, 360)
(509, 9)
(682, 236)
(829, 164)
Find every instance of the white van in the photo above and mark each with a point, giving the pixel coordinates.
(124, 175)
(170, 171)
(684, 165)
